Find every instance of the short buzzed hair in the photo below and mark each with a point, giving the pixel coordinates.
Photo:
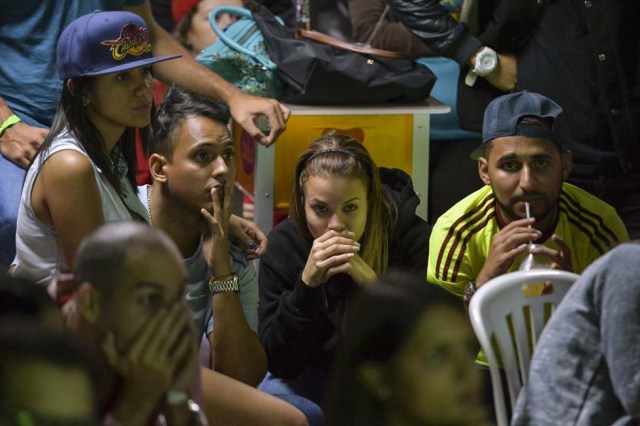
(101, 256)
(178, 106)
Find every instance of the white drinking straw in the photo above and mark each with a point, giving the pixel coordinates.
(526, 208)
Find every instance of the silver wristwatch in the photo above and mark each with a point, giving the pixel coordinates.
(228, 283)
(486, 62)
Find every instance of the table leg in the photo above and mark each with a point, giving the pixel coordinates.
(264, 187)
(420, 162)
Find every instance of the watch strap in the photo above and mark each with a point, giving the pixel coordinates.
(469, 291)
(226, 283)
(470, 78)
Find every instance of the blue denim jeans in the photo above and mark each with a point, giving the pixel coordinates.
(11, 179)
(306, 392)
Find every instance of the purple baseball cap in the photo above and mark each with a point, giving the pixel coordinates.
(103, 42)
(503, 118)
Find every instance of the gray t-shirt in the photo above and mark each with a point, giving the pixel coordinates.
(586, 367)
(197, 291)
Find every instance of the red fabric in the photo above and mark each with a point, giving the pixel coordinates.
(179, 8)
(61, 288)
(279, 216)
(143, 177)
(159, 91)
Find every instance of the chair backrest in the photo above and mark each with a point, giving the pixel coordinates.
(508, 314)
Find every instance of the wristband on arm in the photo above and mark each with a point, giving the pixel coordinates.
(13, 119)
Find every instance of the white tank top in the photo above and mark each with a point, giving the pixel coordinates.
(38, 256)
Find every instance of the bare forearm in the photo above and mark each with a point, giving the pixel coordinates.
(235, 348)
(186, 71)
(19, 141)
(5, 111)
(190, 74)
(227, 401)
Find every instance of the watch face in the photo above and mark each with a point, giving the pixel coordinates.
(486, 61)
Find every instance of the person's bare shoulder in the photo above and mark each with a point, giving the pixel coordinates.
(66, 167)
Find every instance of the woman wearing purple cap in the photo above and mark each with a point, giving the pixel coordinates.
(84, 173)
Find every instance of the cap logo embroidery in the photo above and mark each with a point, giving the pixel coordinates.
(133, 40)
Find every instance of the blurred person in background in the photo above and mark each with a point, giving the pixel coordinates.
(45, 376)
(406, 358)
(193, 29)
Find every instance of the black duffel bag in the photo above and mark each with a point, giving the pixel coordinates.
(326, 71)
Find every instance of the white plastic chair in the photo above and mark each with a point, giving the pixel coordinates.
(507, 324)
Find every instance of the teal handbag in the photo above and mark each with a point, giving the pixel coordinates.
(239, 55)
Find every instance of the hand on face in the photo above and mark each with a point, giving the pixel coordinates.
(158, 355)
(216, 247)
(188, 367)
(331, 254)
(506, 246)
